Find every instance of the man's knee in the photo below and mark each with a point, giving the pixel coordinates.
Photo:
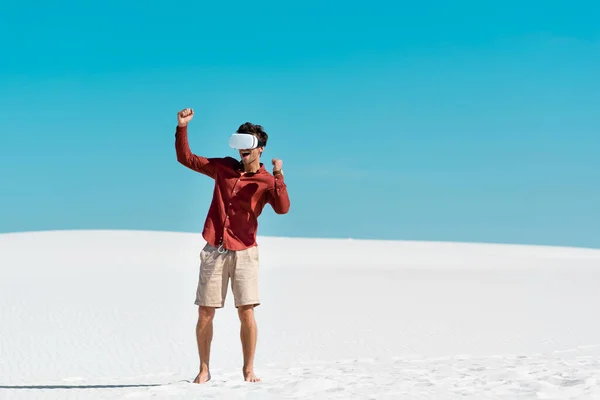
(206, 314)
(246, 314)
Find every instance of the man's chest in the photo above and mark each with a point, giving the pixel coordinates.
(236, 187)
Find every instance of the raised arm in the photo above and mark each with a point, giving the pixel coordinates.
(278, 196)
(185, 156)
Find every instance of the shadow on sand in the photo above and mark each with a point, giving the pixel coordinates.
(47, 387)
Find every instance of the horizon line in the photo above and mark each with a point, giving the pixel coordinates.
(319, 238)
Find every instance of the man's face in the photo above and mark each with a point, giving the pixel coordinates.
(248, 156)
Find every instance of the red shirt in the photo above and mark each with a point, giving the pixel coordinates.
(238, 199)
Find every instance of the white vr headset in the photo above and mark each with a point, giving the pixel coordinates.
(242, 141)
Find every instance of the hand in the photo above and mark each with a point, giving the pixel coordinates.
(184, 116)
(277, 164)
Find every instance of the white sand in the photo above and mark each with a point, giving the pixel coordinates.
(110, 314)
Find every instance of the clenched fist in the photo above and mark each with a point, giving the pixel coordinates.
(184, 116)
(277, 164)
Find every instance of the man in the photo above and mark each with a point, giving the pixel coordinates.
(242, 189)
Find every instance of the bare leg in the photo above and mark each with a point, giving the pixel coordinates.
(204, 333)
(248, 334)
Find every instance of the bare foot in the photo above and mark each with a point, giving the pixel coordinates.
(202, 377)
(250, 377)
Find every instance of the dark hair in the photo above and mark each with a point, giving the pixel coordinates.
(256, 130)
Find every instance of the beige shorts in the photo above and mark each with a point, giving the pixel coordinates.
(216, 270)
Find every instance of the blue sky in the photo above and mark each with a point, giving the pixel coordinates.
(439, 121)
